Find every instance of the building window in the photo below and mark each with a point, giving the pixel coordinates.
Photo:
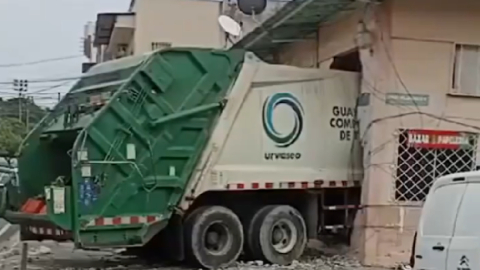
(121, 51)
(425, 155)
(466, 70)
(160, 45)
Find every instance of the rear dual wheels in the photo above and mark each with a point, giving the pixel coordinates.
(276, 234)
(213, 237)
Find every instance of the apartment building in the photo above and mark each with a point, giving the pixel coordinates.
(153, 24)
(419, 102)
(89, 50)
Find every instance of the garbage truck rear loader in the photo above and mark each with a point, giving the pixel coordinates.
(199, 154)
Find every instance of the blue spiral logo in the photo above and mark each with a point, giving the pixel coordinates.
(282, 140)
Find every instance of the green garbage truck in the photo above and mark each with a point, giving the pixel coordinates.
(197, 154)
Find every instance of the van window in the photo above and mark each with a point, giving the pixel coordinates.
(469, 215)
(440, 210)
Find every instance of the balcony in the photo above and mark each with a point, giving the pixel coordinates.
(114, 33)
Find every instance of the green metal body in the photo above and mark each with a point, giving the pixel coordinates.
(164, 105)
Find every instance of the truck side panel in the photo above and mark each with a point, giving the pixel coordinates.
(300, 130)
(295, 129)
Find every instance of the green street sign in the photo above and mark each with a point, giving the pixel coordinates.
(406, 99)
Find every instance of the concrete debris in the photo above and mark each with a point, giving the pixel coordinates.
(317, 256)
(337, 263)
(9, 249)
(42, 250)
(403, 266)
(46, 256)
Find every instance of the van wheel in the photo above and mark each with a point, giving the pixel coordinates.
(277, 234)
(213, 237)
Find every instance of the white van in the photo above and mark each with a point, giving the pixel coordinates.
(448, 234)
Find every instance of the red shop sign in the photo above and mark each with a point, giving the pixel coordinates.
(441, 139)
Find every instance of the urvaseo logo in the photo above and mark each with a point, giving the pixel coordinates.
(282, 140)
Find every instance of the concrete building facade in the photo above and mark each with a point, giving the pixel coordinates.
(150, 24)
(420, 94)
(418, 105)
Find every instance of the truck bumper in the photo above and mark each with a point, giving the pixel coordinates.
(37, 227)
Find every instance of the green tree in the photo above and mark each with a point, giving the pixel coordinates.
(16, 107)
(12, 132)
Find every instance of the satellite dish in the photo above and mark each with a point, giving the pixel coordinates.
(229, 25)
(252, 7)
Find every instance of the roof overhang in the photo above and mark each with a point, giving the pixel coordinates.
(293, 22)
(104, 27)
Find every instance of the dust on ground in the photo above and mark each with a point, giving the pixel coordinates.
(48, 255)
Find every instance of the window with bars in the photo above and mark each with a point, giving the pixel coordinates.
(424, 155)
(466, 70)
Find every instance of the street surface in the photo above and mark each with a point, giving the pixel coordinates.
(6, 230)
(54, 256)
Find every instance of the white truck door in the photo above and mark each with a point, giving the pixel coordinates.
(436, 226)
(464, 250)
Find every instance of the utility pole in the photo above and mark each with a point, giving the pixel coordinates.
(27, 108)
(21, 86)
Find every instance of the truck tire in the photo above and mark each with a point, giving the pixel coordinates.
(277, 234)
(213, 237)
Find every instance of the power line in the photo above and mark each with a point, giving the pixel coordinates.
(47, 80)
(40, 61)
(36, 86)
(48, 88)
(40, 91)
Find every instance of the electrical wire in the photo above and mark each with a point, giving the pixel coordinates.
(368, 7)
(48, 88)
(46, 80)
(39, 94)
(39, 61)
(375, 93)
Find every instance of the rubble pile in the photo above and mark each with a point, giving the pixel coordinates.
(318, 256)
(44, 255)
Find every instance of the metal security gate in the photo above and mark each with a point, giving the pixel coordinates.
(424, 155)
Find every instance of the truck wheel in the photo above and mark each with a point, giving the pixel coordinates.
(213, 237)
(277, 234)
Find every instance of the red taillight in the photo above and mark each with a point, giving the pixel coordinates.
(33, 206)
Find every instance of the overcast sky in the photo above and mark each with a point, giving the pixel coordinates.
(33, 30)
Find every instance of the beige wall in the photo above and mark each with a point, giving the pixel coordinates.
(413, 52)
(183, 23)
(339, 36)
(329, 41)
(437, 20)
(413, 48)
(300, 54)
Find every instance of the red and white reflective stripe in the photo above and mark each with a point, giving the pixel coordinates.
(46, 231)
(293, 185)
(109, 221)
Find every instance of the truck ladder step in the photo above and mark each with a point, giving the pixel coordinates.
(341, 207)
(333, 228)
